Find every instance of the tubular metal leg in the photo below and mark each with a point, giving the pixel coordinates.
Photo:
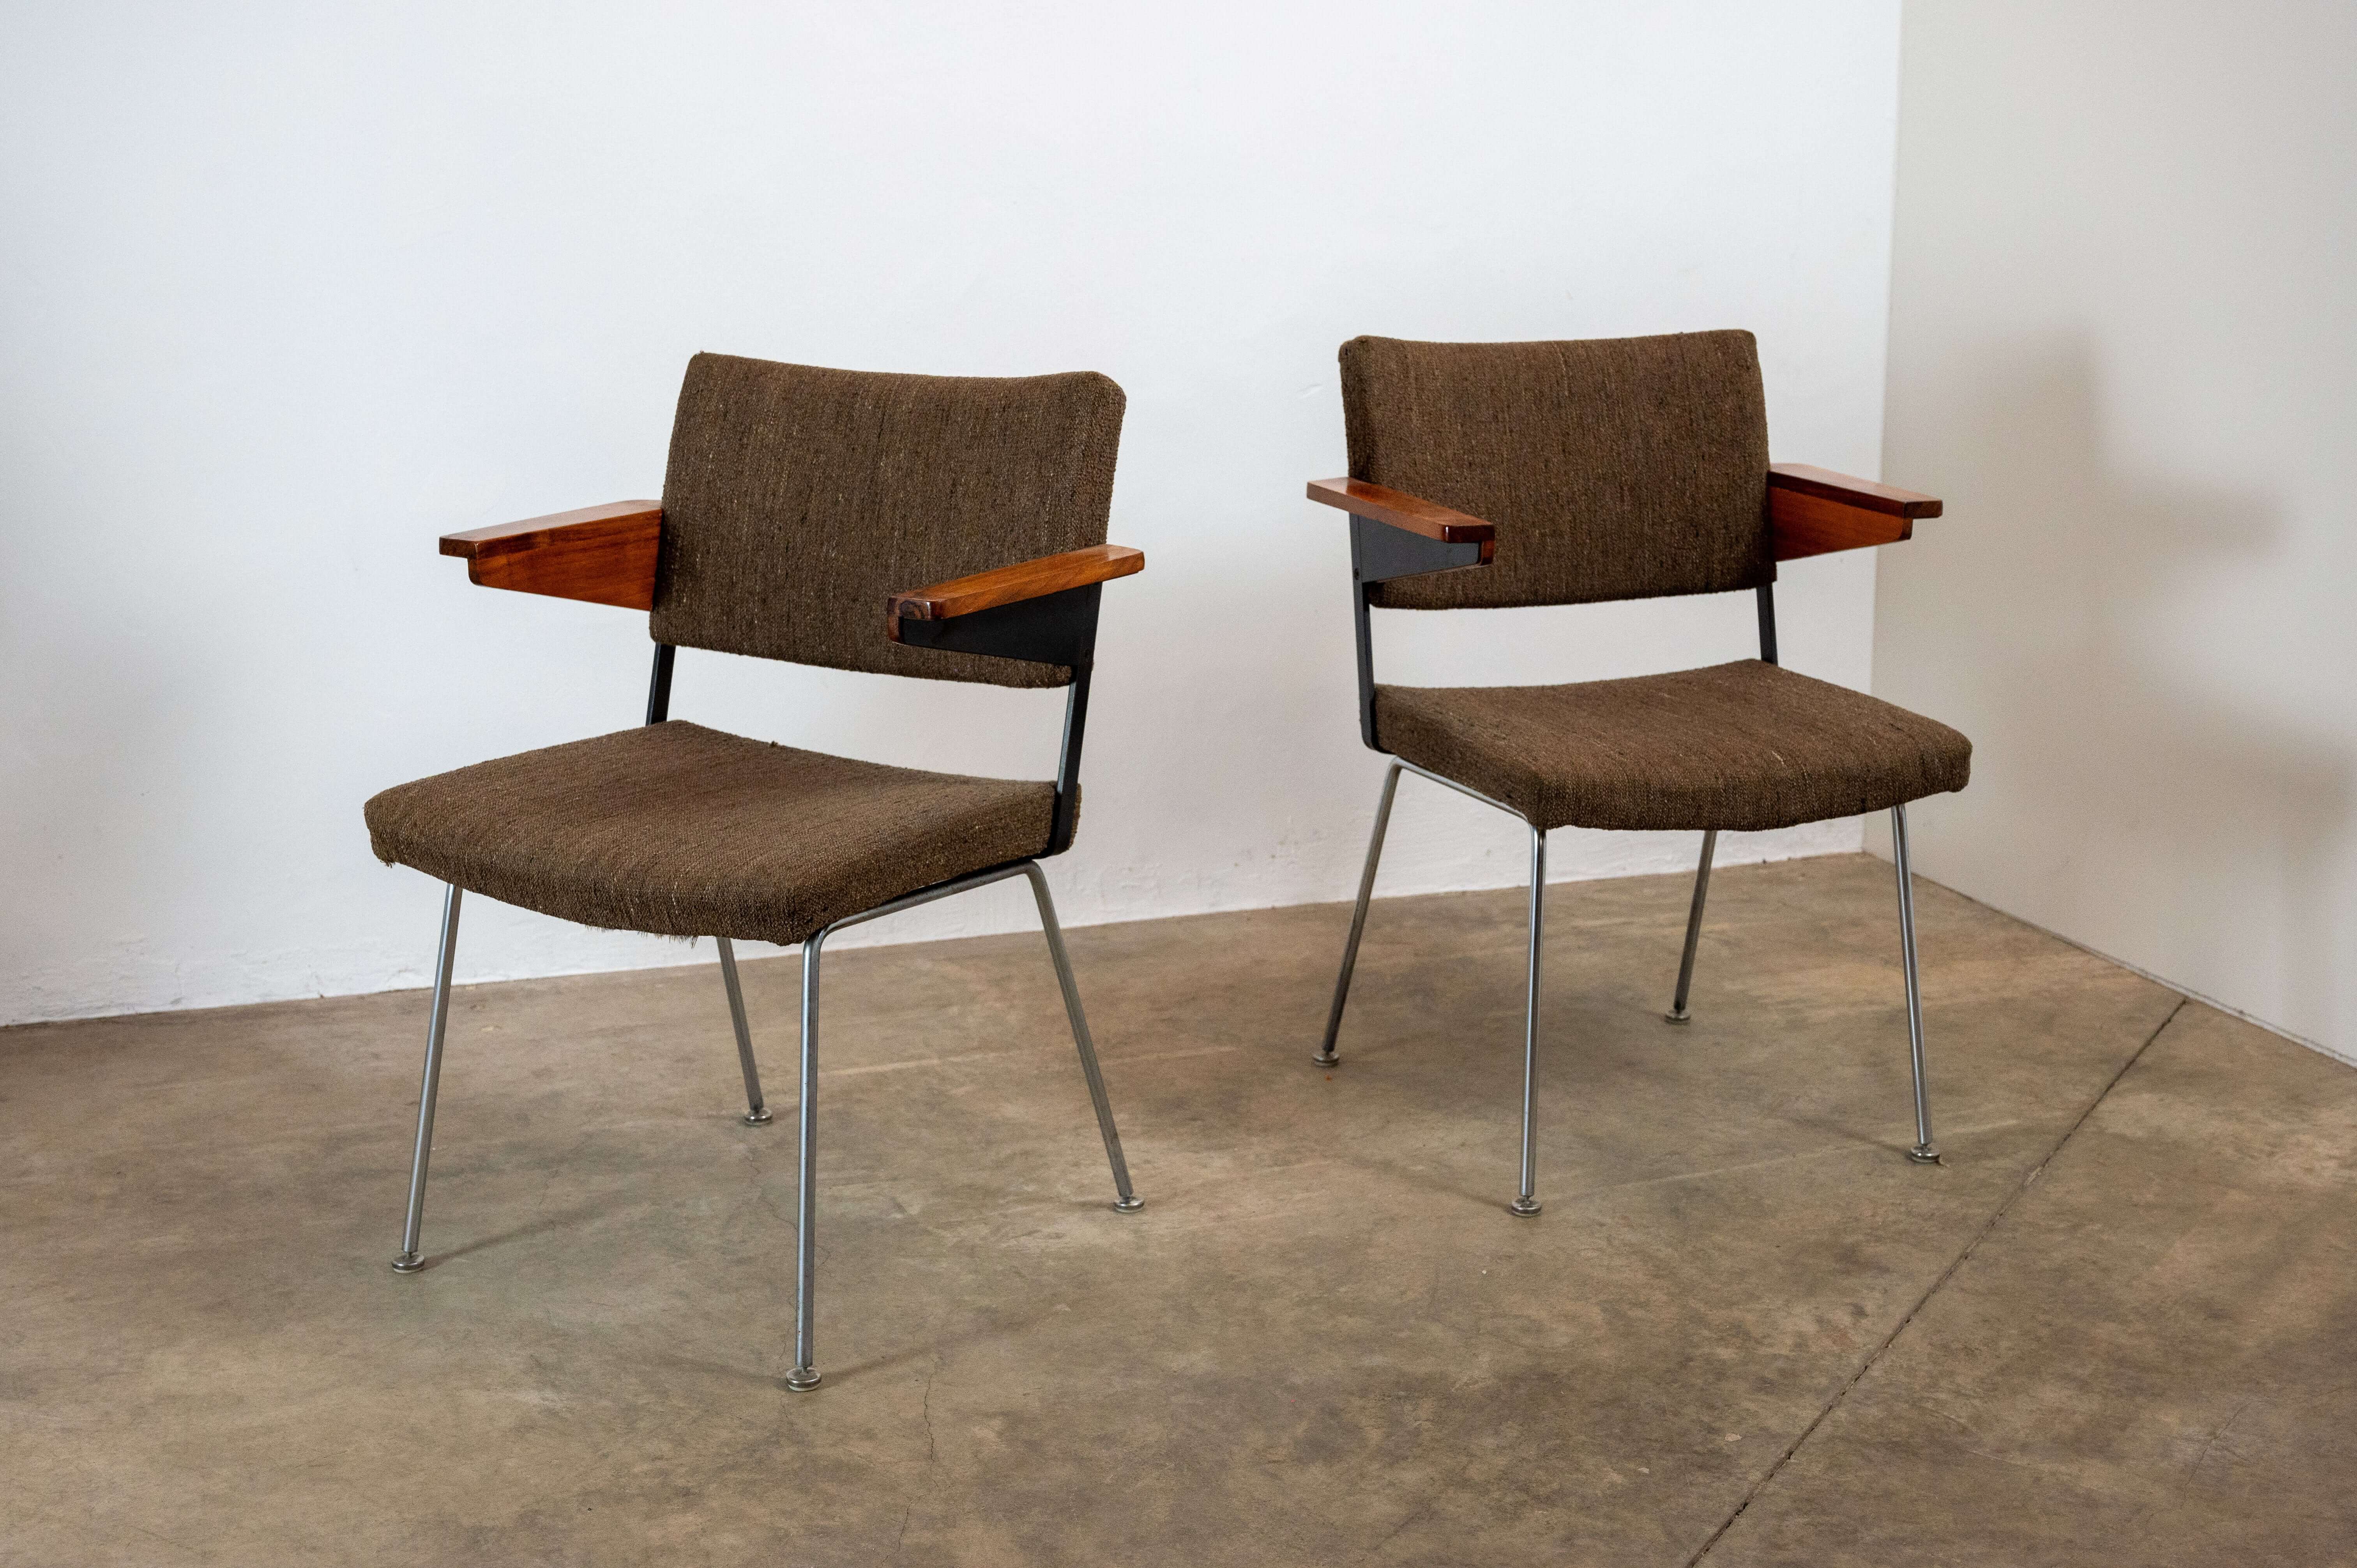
(1925, 1151)
(1128, 1201)
(437, 1025)
(1528, 1203)
(757, 1112)
(805, 1377)
(1677, 1013)
(1326, 1056)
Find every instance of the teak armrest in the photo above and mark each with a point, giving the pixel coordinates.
(1812, 511)
(605, 554)
(1401, 509)
(1012, 585)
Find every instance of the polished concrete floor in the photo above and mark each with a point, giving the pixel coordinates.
(2119, 1325)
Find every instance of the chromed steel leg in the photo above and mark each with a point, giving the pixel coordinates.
(1127, 1200)
(1925, 1151)
(1326, 1056)
(1677, 1013)
(437, 1025)
(805, 1377)
(757, 1112)
(1528, 1203)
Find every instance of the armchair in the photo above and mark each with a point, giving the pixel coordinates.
(797, 501)
(1486, 475)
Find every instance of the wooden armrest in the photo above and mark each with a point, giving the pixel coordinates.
(605, 554)
(1009, 584)
(1812, 511)
(1401, 509)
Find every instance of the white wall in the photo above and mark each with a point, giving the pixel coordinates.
(292, 289)
(2123, 348)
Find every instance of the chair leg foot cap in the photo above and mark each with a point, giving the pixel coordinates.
(1327, 1059)
(757, 1117)
(802, 1379)
(1525, 1207)
(407, 1264)
(1129, 1203)
(1677, 1016)
(1925, 1155)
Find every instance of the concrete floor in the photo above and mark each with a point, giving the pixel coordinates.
(2120, 1323)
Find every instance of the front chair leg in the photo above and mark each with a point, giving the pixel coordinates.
(1127, 1200)
(437, 1025)
(1925, 1151)
(1326, 1056)
(1677, 1013)
(1528, 1204)
(805, 1377)
(756, 1113)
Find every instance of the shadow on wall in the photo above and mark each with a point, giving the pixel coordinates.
(2123, 794)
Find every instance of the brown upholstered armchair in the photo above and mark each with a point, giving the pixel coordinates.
(800, 509)
(1494, 474)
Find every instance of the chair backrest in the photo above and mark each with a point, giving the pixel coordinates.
(1613, 468)
(797, 498)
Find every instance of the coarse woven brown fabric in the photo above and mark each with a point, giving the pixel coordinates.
(687, 831)
(1613, 469)
(797, 498)
(1742, 748)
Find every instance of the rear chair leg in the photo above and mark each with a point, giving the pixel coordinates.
(1677, 1013)
(805, 1377)
(1125, 1199)
(1528, 1204)
(1925, 1151)
(437, 1024)
(1326, 1056)
(756, 1113)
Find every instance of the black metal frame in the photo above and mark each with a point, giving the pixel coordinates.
(1380, 553)
(1055, 629)
(658, 688)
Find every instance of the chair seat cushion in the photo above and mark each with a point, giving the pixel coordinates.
(686, 832)
(1742, 747)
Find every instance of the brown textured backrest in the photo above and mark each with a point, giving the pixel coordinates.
(797, 498)
(1613, 468)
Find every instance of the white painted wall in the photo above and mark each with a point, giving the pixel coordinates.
(2123, 348)
(292, 289)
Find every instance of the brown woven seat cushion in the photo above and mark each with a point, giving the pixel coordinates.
(686, 832)
(1741, 746)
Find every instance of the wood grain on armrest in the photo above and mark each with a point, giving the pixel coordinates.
(1866, 494)
(1006, 585)
(1813, 512)
(605, 554)
(1401, 509)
